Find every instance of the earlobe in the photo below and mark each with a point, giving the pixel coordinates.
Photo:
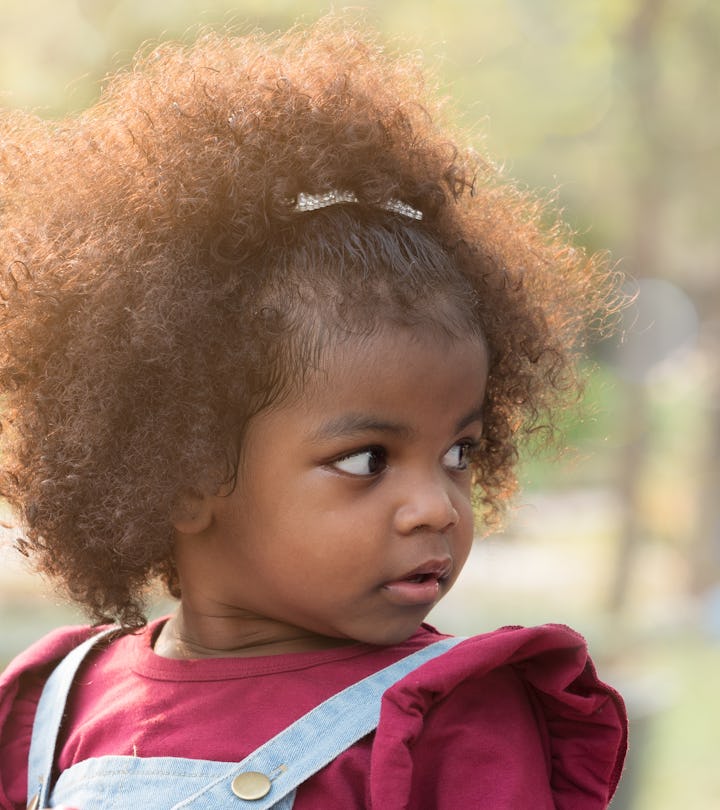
(193, 513)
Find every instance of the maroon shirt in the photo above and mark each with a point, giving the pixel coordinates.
(507, 720)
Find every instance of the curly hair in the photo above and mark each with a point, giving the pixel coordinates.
(159, 289)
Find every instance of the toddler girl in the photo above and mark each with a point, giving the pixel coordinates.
(270, 337)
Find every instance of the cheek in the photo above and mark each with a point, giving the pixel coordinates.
(467, 521)
(337, 541)
(464, 495)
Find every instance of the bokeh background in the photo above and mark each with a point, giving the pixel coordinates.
(612, 107)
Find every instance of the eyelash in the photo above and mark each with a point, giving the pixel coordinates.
(467, 450)
(374, 451)
(466, 447)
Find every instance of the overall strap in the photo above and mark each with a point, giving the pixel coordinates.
(48, 719)
(277, 768)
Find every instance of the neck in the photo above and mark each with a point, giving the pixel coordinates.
(191, 634)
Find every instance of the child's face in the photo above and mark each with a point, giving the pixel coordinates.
(352, 515)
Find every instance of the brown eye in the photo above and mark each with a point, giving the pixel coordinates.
(458, 456)
(367, 462)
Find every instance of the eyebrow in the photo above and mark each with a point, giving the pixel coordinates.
(475, 415)
(351, 424)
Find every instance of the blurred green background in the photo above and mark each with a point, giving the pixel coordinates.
(613, 106)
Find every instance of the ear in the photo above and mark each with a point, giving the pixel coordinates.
(193, 513)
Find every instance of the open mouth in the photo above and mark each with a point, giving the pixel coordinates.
(420, 578)
(419, 587)
(437, 570)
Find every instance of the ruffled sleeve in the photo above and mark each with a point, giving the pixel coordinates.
(506, 720)
(20, 686)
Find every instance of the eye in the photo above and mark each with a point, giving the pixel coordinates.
(458, 456)
(367, 462)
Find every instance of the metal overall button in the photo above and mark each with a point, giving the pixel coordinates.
(34, 803)
(251, 785)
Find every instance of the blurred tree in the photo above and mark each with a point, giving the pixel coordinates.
(667, 59)
(641, 74)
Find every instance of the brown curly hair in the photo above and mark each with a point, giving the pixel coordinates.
(159, 289)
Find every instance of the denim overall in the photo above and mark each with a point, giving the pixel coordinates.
(267, 778)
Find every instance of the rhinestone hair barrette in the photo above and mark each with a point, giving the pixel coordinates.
(312, 202)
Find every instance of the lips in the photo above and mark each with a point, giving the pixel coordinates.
(421, 586)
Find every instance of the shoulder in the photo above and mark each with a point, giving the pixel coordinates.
(513, 713)
(20, 686)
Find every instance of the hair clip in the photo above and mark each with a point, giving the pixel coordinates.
(312, 202)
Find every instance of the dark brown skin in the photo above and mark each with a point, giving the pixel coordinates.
(375, 522)
(159, 290)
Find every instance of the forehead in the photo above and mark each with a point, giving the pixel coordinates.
(392, 368)
(394, 386)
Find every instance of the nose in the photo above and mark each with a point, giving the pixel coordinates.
(426, 505)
